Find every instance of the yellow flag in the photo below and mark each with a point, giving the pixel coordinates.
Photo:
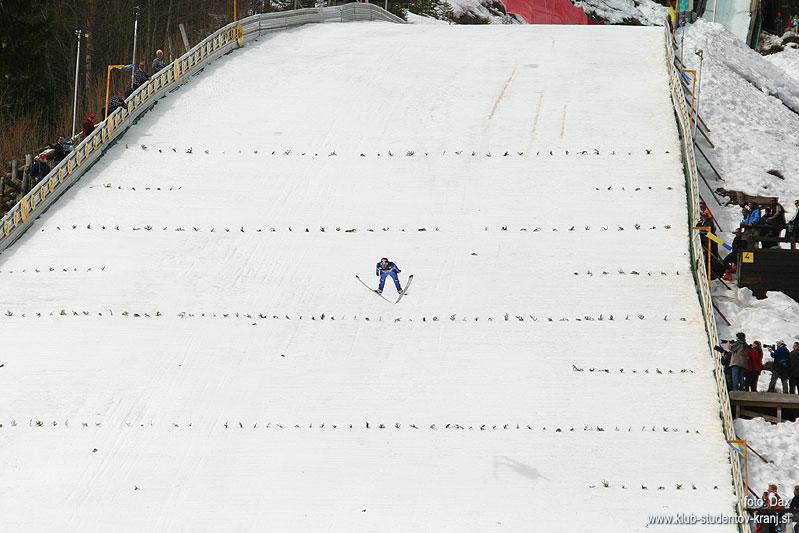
(714, 238)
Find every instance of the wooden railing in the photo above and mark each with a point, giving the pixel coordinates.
(698, 266)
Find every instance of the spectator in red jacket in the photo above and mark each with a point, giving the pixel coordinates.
(88, 125)
(754, 367)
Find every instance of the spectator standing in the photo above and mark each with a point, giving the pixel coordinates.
(725, 363)
(739, 361)
(140, 77)
(771, 500)
(794, 507)
(89, 124)
(158, 62)
(116, 101)
(781, 368)
(793, 361)
(779, 24)
(795, 23)
(59, 152)
(39, 168)
(755, 366)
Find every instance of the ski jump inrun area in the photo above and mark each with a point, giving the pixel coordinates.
(186, 347)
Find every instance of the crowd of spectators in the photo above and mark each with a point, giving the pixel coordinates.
(743, 363)
(49, 156)
(782, 24)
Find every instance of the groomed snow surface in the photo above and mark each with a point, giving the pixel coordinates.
(186, 347)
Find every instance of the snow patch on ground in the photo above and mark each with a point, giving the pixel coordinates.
(484, 11)
(788, 61)
(622, 11)
(777, 443)
(743, 102)
(768, 319)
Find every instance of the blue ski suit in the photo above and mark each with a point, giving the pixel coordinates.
(390, 270)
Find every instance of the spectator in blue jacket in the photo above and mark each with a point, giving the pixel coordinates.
(781, 368)
(752, 215)
(384, 269)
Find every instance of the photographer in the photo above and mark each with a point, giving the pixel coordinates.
(781, 368)
(739, 361)
(725, 363)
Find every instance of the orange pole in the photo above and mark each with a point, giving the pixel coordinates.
(745, 453)
(234, 10)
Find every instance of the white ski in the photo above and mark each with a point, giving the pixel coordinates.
(371, 289)
(407, 286)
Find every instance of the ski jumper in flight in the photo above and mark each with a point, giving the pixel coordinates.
(384, 269)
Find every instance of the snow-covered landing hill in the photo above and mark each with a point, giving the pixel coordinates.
(186, 347)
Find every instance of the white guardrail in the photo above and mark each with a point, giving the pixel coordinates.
(232, 36)
(699, 267)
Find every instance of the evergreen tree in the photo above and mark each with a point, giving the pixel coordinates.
(22, 58)
(438, 9)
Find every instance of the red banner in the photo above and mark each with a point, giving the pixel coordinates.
(547, 11)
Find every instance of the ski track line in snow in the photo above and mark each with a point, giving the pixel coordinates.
(501, 95)
(534, 129)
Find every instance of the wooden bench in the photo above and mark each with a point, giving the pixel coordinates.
(758, 233)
